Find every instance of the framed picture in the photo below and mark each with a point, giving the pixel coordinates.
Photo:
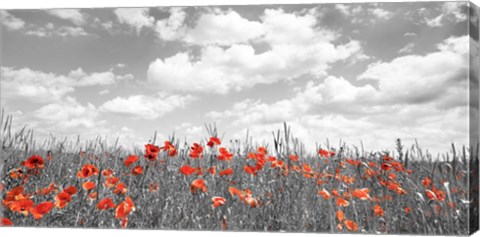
(310, 118)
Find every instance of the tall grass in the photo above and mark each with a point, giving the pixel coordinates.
(286, 202)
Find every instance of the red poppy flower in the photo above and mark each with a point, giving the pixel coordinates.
(250, 170)
(88, 185)
(92, 196)
(110, 182)
(224, 154)
(324, 193)
(87, 171)
(342, 202)
(34, 162)
(170, 148)
(71, 190)
(153, 187)
(386, 166)
(16, 173)
(137, 170)
(212, 170)
(361, 194)
(105, 204)
(121, 189)
(188, 170)
(407, 210)
(218, 201)
(130, 160)
(378, 211)
(6, 222)
(351, 225)
(22, 206)
(107, 173)
(124, 208)
(226, 172)
(62, 199)
(426, 182)
(16, 194)
(293, 158)
(196, 151)
(41, 209)
(198, 184)
(151, 152)
(213, 141)
(340, 216)
(325, 153)
(252, 202)
(262, 150)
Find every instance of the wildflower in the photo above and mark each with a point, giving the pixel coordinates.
(361, 194)
(130, 160)
(213, 141)
(6, 222)
(340, 216)
(325, 153)
(87, 171)
(110, 182)
(62, 199)
(151, 152)
(121, 189)
(378, 211)
(107, 173)
(426, 182)
(293, 158)
(124, 208)
(88, 185)
(212, 170)
(22, 206)
(168, 146)
(342, 202)
(218, 201)
(198, 184)
(137, 170)
(41, 209)
(153, 187)
(224, 154)
(105, 204)
(196, 151)
(250, 170)
(226, 172)
(324, 193)
(187, 170)
(351, 225)
(70, 190)
(34, 162)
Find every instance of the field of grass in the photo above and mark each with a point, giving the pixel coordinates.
(232, 185)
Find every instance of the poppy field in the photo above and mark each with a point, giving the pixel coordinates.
(232, 185)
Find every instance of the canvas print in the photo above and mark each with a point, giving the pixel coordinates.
(323, 118)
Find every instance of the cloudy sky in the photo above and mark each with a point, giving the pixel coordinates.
(356, 72)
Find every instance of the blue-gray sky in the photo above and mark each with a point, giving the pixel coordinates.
(368, 72)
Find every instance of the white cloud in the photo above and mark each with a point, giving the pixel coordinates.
(407, 48)
(456, 11)
(50, 31)
(135, 17)
(297, 47)
(417, 97)
(73, 15)
(146, 107)
(41, 87)
(11, 22)
(435, 22)
(224, 28)
(68, 113)
(172, 28)
(406, 78)
(364, 13)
